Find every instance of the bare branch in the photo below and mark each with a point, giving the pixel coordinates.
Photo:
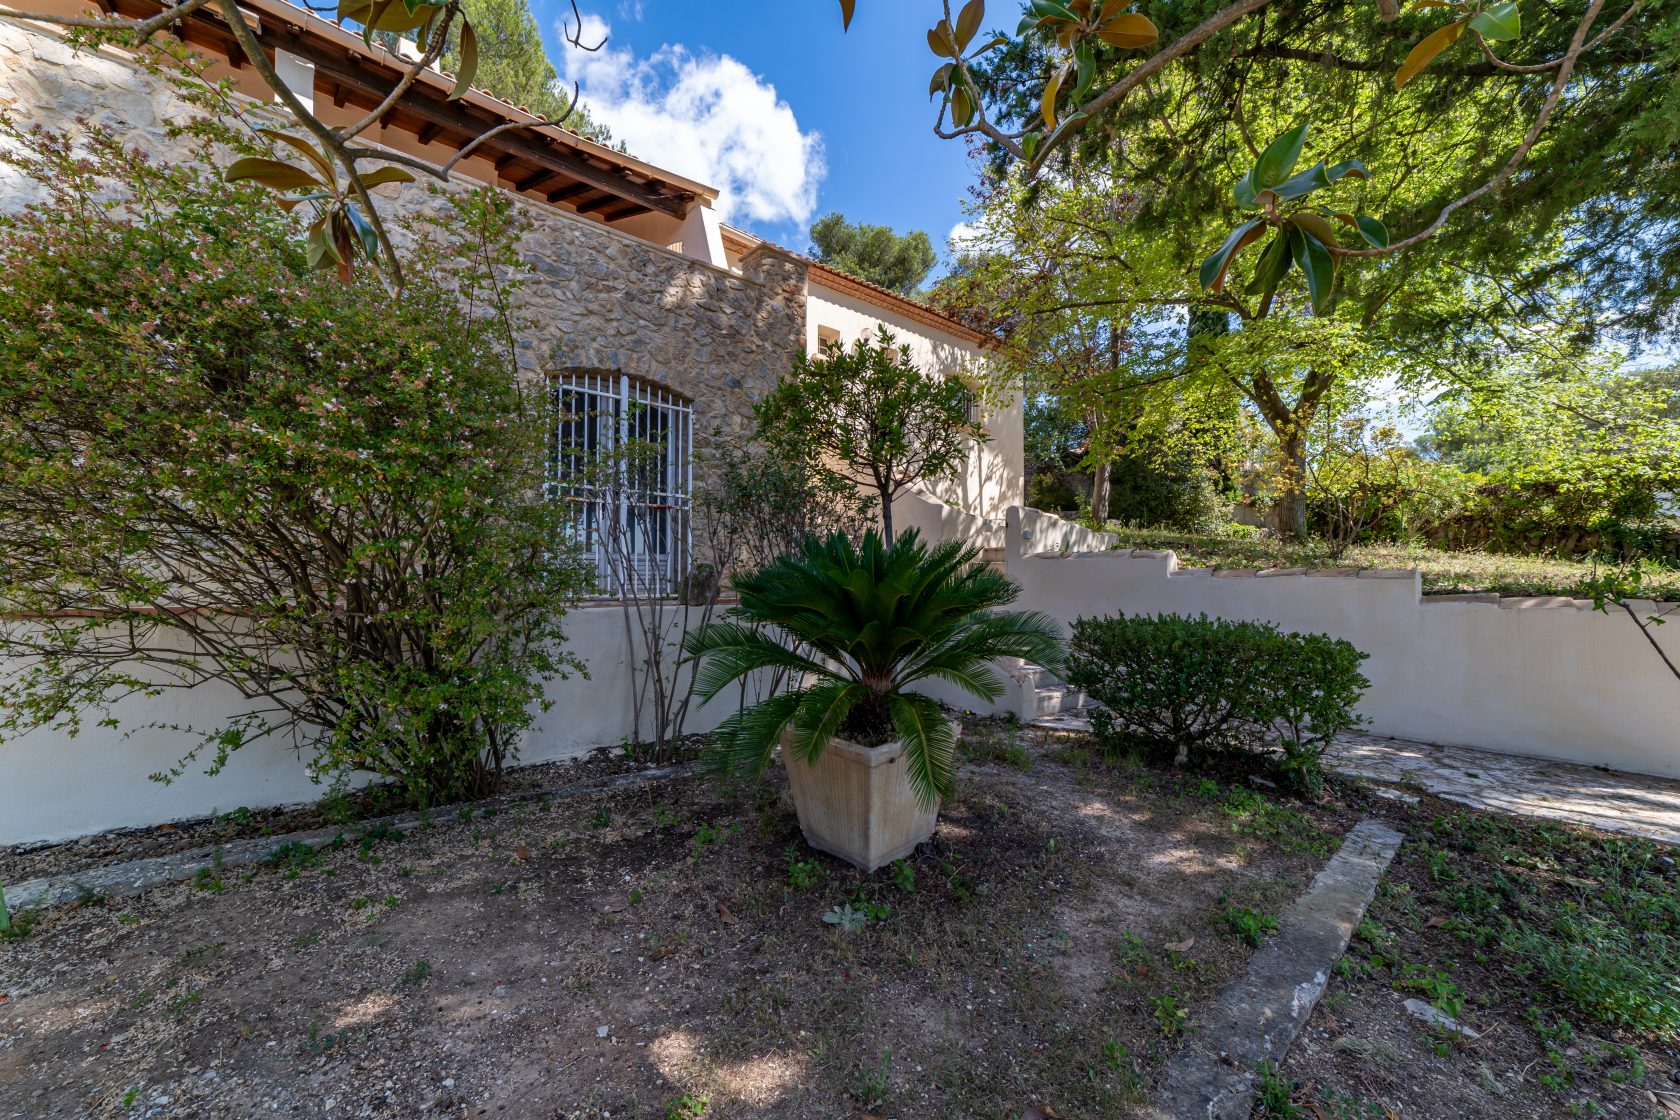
(418, 67)
(146, 28)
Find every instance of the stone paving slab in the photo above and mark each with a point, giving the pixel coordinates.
(1634, 804)
(1257, 1017)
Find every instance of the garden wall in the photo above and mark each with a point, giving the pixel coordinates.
(1546, 677)
(53, 786)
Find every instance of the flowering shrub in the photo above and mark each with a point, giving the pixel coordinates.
(218, 465)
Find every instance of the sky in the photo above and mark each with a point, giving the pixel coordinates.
(775, 106)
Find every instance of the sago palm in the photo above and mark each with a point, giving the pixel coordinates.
(853, 629)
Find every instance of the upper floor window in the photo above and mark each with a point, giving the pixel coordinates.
(622, 457)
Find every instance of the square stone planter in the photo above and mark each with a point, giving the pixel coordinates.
(857, 803)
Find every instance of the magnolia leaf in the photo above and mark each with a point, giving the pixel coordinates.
(962, 107)
(941, 79)
(379, 176)
(1047, 104)
(365, 233)
(1304, 182)
(1273, 265)
(847, 9)
(1219, 262)
(323, 163)
(1050, 9)
(968, 22)
(1280, 157)
(939, 40)
(1087, 71)
(1110, 9)
(1372, 231)
(1318, 265)
(271, 173)
(1129, 31)
(1421, 4)
(1243, 193)
(999, 41)
(1029, 144)
(1500, 23)
(290, 204)
(1348, 169)
(469, 60)
(1426, 50)
(1316, 225)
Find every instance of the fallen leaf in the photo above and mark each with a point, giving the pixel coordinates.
(522, 853)
(723, 912)
(667, 951)
(1432, 923)
(1181, 946)
(1039, 1112)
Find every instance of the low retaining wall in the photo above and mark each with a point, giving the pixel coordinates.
(54, 787)
(1547, 677)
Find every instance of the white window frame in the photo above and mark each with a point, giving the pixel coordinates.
(635, 531)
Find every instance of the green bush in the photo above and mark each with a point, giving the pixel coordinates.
(1204, 686)
(221, 465)
(1174, 495)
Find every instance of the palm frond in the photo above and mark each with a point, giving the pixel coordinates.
(742, 744)
(820, 715)
(728, 651)
(930, 745)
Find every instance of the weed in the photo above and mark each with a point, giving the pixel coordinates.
(1273, 1094)
(848, 919)
(636, 895)
(417, 975)
(602, 817)
(203, 954)
(904, 875)
(1169, 1016)
(802, 873)
(141, 1000)
(182, 1002)
(129, 919)
(210, 878)
(873, 1082)
(1250, 925)
(686, 1107)
(241, 816)
(305, 940)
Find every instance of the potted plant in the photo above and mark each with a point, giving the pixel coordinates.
(853, 629)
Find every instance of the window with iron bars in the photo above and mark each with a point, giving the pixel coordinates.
(622, 458)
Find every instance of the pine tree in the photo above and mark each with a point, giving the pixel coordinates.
(513, 65)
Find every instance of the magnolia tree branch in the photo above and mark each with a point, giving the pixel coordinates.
(1565, 67)
(145, 28)
(1156, 62)
(439, 38)
(1543, 67)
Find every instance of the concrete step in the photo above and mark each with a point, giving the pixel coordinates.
(1050, 695)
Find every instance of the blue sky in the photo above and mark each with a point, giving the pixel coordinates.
(774, 104)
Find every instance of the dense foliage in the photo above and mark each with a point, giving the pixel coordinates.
(858, 628)
(218, 466)
(869, 417)
(896, 262)
(1203, 687)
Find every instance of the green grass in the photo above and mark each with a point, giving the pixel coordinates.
(1443, 572)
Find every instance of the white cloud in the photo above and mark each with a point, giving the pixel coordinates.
(706, 117)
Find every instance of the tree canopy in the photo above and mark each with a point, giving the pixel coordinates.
(873, 253)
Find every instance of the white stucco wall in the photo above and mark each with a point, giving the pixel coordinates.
(1550, 678)
(55, 787)
(994, 478)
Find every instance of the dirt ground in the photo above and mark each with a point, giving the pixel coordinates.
(664, 954)
(1560, 946)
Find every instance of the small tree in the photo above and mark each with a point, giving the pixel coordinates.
(870, 416)
(220, 466)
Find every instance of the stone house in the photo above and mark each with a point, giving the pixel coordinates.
(643, 299)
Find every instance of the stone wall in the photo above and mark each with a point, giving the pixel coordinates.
(599, 299)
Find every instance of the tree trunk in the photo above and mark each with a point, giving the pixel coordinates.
(1292, 500)
(886, 517)
(1100, 486)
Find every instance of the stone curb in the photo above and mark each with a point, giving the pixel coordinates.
(1256, 1018)
(139, 876)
